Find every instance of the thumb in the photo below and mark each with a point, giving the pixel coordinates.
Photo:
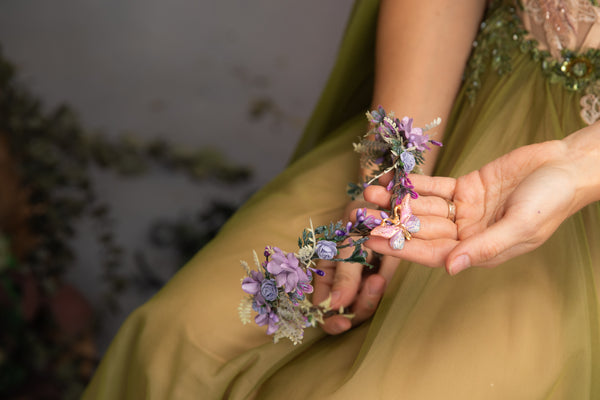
(485, 248)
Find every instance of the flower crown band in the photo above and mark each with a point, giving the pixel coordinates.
(277, 289)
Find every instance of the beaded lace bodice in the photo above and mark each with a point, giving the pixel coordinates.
(561, 24)
(562, 35)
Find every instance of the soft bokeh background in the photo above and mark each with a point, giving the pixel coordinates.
(237, 75)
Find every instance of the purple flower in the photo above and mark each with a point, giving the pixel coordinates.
(251, 284)
(371, 222)
(349, 226)
(361, 214)
(376, 116)
(286, 270)
(408, 160)
(390, 127)
(271, 319)
(317, 271)
(304, 288)
(269, 290)
(260, 305)
(326, 250)
(414, 136)
(407, 183)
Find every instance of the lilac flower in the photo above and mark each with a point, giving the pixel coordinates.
(435, 142)
(303, 288)
(371, 222)
(384, 131)
(361, 214)
(271, 319)
(326, 250)
(300, 293)
(349, 226)
(251, 284)
(414, 136)
(376, 116)
(317, 271)
(286, 270)
(408, 160)
(390, 127)
(260, 305)
(269, 290)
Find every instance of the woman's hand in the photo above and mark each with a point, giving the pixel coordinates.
(359, 290)
(350, 285)
(509, 207)
(351, 288)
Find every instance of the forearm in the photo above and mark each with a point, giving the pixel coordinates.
(422, 49)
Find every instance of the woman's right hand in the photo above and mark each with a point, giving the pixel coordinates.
(352, 286)
(348, 287)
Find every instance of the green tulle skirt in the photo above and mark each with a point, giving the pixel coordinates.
(528, 329)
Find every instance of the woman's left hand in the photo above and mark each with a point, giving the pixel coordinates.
(509, 207)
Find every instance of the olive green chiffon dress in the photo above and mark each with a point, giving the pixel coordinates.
(527, 329)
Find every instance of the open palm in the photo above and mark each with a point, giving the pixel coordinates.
(508, 207)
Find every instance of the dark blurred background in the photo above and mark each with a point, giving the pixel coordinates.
(129, 131)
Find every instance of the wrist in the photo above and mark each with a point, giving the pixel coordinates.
(581, 156)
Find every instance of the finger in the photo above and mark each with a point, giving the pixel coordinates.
(489, 247)
(436, 228)
(432, 253)
(373, 290)
(432, 227)
(423, 205)
(430, 205)
(434, 185)
(378, 195)
(345, 284)
(368, 298)
(322, 284)
(336, 324)
(385, 179)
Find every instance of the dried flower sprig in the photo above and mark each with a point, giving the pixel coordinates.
(277, 290)
(392, 144)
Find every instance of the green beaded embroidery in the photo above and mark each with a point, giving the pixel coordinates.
(502, 34)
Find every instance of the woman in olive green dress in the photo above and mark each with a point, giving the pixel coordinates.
(515, 135)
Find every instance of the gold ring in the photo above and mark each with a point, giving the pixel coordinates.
(451, 211)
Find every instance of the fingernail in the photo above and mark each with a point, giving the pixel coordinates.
(335, 296)
(460, 263)
(339, 327)
(375, 288)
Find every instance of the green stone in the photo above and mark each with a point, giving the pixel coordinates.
(579, 69)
